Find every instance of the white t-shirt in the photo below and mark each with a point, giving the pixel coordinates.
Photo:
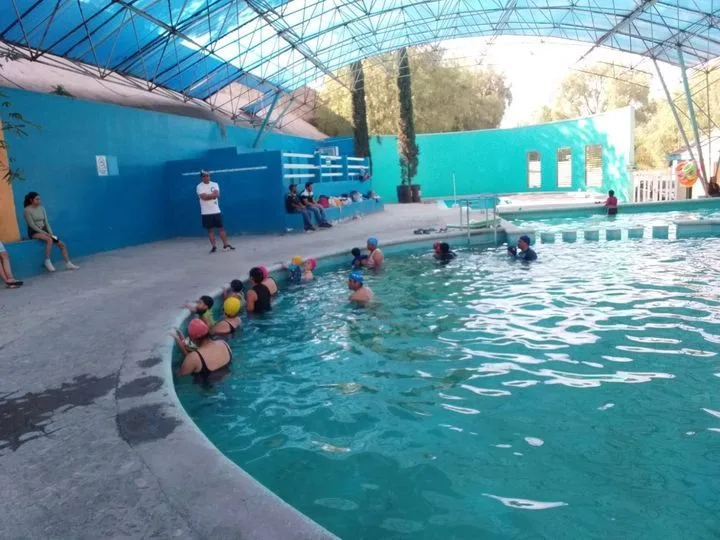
(211, 206)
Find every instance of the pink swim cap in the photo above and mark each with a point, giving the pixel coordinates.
(313, 263)
(264, 271)
(198, 329)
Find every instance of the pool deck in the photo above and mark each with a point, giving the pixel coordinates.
(93, 443)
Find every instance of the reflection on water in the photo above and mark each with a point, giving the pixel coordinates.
(584, 387)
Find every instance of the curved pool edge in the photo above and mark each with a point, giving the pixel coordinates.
(216, 497)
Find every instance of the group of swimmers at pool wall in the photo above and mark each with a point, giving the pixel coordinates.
(205, 351)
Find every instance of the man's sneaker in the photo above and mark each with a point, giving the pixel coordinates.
(49, 265)
(71, 266)
(310, 229)
(228, 248)
(326, 225)
(213, 250)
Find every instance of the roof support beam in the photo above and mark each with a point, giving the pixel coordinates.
(693, 120)
(288, 34)
(625, 21)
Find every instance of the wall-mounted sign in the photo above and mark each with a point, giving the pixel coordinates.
(102, 166)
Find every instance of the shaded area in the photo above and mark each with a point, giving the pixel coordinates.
(144, 424)
(139, 387)
(150, 362)
(26, 417)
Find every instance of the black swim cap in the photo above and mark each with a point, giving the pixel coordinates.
(257, 275)
(237, 286)
(355, 252)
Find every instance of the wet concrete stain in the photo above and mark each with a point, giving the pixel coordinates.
(25, 418)
(150, 362)
(145, 423)
(139, 387)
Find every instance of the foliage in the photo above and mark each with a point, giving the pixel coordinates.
(13, 123)
(60, 90)
(361, 135)
(406, 122)
(447, 97)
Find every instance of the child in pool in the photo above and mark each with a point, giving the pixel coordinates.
(203, 309)
(358, 258)
(236, 290)
(295, 269)
(308, 268)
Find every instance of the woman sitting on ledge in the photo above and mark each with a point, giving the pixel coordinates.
(210, 356)
(39, 229)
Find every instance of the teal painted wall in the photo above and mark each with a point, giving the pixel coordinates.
(495, 160)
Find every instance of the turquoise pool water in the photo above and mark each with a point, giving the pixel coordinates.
(622, 221)
(578, 397)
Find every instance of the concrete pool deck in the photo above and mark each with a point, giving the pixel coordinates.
(93, 443)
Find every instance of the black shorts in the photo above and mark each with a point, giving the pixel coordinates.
(212, 221)
(612, 211)
(31, 233)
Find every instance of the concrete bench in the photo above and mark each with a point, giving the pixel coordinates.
(294, 221)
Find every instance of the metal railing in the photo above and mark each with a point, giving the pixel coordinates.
(476, 203)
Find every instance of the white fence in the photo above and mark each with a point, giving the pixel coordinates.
(654, 185)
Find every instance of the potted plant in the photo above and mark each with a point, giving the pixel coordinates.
(408, 149)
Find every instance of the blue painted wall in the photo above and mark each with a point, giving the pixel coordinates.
(94, 213)
(495, 160)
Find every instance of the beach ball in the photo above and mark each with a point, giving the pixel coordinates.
(681, 170)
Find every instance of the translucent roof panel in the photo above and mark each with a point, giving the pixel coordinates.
(197, 47)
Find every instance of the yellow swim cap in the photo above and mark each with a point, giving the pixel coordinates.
(296, 260)
(232, 306)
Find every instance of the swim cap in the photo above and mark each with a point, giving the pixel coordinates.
(265, 272)
(313, 263)
(372, 241)
(232, 306)
(297, 260)
(198, 329)
(524, 238)
(357, 277)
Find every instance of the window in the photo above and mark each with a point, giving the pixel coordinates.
(593, 166)
(564, 168)
(534, 169)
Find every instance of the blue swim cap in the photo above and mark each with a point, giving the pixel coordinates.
(372, 241)
(356, 277)
(524, 238)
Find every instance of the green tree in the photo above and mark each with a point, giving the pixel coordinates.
(447, 97)
(361, 136)
(406, 122)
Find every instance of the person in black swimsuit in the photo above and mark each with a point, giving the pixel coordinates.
(210, 360)
(231, 322)
(258, 298)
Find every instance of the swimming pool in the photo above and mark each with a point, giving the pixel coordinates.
(619, 221)
(488, 398)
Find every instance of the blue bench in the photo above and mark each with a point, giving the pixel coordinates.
(27, 257)
(294, 222)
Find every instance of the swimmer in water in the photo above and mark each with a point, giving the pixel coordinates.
(206, 357)
(360, 293)
(308, 267)
(231, 322)
(258, 298)
(236, 290)
(611, 204)
(203, 309)
(523, 251)
(376, 258)
(358, 258)
(268, 281)
(295, 269)
(443, 252)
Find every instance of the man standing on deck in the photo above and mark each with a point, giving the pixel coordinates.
(209, 193)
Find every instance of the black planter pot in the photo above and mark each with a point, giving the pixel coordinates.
(404, 194)
(415, 192)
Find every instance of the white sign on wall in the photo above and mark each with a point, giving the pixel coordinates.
(102, 165)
